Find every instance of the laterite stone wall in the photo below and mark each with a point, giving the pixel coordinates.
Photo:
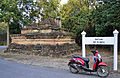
(44, 50)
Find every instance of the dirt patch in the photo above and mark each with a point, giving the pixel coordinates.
(58, 63)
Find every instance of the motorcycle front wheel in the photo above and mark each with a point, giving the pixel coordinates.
(73, 70)
(103, 71)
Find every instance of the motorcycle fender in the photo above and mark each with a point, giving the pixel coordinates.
(71, 60)
(102, 64)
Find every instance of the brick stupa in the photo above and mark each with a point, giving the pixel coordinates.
(44, 32)
(45, 38)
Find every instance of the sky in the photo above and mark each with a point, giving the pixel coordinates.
(63, 1)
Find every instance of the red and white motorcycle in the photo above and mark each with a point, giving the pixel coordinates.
(77, 63)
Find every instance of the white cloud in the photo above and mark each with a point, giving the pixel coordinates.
(63, 1)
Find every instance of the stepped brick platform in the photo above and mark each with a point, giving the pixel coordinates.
(44, 32)
(43, 38)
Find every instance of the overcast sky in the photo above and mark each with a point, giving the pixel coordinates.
(63, 1)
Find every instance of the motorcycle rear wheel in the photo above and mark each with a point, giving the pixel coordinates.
(73, 70)
(103, 71)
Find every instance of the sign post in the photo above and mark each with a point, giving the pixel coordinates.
(83, 43)
(101, 41)
(115, 48)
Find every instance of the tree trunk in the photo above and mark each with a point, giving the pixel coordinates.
(8, 35)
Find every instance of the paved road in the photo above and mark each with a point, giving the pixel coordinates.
(15, 70)
(2, 48)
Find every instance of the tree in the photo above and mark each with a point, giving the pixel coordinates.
(6, 13)
(106, 18)
(74, 6)
(16, 12)
(75, 15)
(30, 10)
(49, 8)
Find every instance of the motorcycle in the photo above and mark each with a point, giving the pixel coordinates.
(78, 63)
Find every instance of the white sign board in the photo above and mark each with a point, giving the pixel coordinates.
(99, 40)
(102, 41)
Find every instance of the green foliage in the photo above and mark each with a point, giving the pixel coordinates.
(15, 28)
(91, 16)
(17, 13)
(3, 27)
(77, 22)
(76, 17)
(97, 18)
(106, 18)
(76, 14)
(50, 8)
(8, 9)
(73, 7)
(30, 11)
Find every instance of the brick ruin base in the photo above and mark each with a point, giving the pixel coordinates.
(45, 38)
(43, 50)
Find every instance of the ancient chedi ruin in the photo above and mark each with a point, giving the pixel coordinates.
(45, 38)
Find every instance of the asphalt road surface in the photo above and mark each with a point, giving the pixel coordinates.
(2, 48)
(16, 70)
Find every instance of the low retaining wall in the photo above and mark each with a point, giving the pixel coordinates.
(44, 50)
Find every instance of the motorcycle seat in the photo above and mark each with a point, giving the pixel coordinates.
(84, 58)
